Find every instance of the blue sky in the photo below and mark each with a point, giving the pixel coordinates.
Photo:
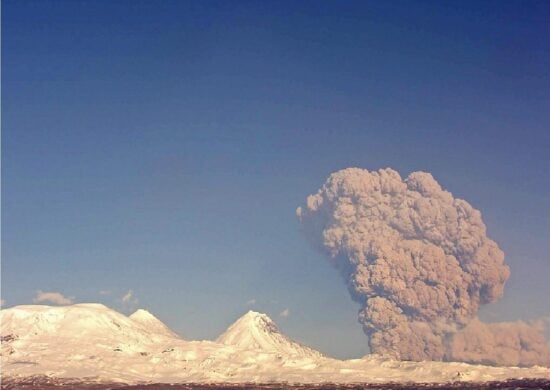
(163, 147)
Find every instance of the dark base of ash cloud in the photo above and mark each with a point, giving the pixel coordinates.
(505, 343)
(420, 263)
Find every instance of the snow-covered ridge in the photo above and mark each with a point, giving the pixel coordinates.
(256, 331)
(97, 343)
(152, 323)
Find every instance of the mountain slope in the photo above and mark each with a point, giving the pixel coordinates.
(78, 328)
(151, 323)
(256, 331)
(95, 343)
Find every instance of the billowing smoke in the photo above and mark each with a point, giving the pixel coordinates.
(420, 263)
(505, 343)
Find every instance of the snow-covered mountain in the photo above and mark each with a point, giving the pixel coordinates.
(151, 323)
(256, 331)
(93, 342)
(72, 340)
(88, 323)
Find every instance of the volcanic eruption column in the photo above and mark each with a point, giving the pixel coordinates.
(420, 263)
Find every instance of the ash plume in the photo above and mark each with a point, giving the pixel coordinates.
(420, 263)
(503, 343)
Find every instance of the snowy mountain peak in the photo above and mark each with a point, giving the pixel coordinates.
(94, 342)
(80, 324)
(151, 323)
(253, 324)
(252, 313)
(256, 331)
(97, 306)
(255, 319)
(142, 315)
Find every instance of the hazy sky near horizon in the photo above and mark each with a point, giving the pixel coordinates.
(163, 147)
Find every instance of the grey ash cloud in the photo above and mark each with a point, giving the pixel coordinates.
(420, 263)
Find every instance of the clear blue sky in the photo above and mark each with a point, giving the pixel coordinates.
(163, 146)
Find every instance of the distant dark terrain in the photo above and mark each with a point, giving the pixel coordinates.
(41, 383)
